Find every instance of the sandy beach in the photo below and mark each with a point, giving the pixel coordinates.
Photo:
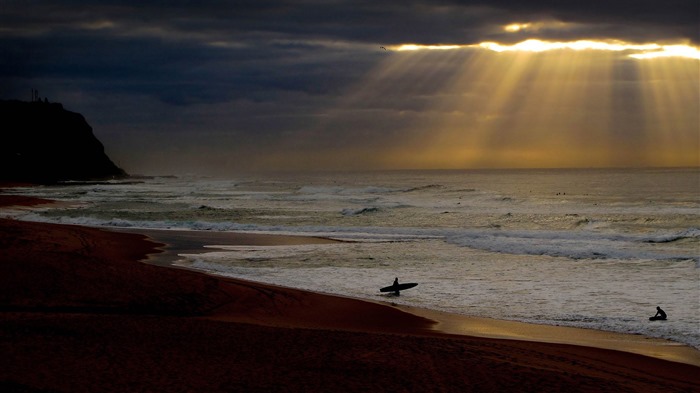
(84, 310)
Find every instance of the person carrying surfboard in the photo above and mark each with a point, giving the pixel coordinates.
(396, 287)
(396, 284)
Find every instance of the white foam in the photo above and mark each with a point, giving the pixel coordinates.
(545, 246)
(571, 244)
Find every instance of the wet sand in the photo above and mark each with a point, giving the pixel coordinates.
(192, 242)
(81, 313)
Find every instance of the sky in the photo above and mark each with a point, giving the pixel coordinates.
(220, 87)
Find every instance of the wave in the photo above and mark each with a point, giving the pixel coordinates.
(113, 182)
(570, 244)
(690, 233)
(339, 190)
(357, 212)
(422, 188)
(205, 207)
(349, 191)
(574, 244)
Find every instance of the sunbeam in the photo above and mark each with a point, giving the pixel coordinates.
(532, 104)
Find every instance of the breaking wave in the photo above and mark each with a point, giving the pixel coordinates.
(574, 244)
(357, 212)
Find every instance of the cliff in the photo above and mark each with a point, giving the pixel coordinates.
(44, 143)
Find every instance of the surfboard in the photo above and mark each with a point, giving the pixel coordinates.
(400, 287)
(657, 319)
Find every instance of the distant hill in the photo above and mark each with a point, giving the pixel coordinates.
(43, 143)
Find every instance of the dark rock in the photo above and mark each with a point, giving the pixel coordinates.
(44, 143)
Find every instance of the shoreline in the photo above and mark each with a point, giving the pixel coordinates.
(176, 242)
(106, 319)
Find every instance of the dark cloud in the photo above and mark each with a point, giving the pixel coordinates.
(671, 19)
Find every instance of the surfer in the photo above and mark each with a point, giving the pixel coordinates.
(660, 314)
(396, 287)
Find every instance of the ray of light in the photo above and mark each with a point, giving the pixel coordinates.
(375, 115)
(671, 99)
(564, 108)
(571, 106)
(535, 112)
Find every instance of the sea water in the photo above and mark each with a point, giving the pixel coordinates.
(587, 248)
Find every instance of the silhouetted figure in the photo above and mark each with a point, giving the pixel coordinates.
(660, 315)
(396, 287)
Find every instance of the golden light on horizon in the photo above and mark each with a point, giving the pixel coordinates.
(533, 45)
(415, 47)
(640, 51)
(671, 51)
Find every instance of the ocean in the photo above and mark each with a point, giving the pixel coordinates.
(589, 248)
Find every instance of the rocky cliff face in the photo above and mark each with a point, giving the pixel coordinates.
(44, 143)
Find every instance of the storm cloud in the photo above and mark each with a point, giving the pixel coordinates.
(200, 85)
